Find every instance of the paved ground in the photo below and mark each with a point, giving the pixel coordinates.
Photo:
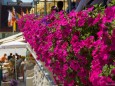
(21, 83)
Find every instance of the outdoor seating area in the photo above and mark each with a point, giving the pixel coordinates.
(14, 62)
(18, 65)
(17, 68)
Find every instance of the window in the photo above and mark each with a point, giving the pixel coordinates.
(49, 3)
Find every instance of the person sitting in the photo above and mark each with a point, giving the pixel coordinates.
(18, 65)
(16, 56)
(12, 60)
(12, 64)
(3, 58)
(6, 69)
(22, 66)
(10, 56)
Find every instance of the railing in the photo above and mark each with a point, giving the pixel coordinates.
(6, 34)
(16, 37)
(41, 75)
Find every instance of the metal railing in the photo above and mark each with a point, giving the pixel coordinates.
(15, 37)
(46, 74)
(41, 68)
(7, 34)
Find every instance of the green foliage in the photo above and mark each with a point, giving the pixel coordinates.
(112, 3)
(107, 70)
(99, 8)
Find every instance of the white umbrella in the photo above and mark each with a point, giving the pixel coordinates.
(14, 44)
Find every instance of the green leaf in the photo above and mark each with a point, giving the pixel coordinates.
(69, 48)
(112, 3)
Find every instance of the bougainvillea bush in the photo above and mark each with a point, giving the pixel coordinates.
(78, 48)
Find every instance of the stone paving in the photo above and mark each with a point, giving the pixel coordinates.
(21, 83)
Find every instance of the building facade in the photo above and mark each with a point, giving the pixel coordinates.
(4, 2)
(44, 6)
(0, 11)
(5, 7)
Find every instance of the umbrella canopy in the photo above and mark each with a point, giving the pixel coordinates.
(14, 44)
